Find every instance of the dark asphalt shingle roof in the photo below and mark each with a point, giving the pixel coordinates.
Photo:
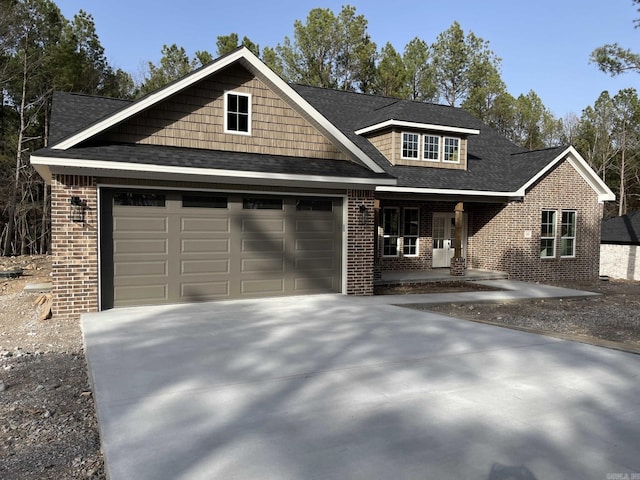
(624, 230)
(215, 159)
(494, 163)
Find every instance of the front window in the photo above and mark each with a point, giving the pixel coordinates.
(391, 228)
(568, 234)
(451, 149)
(410, 230)
(548, 234)
(410, 145)
(237, 113)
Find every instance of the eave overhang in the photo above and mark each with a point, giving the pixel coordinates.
(415, 125)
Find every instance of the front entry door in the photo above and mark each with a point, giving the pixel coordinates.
(444, 239)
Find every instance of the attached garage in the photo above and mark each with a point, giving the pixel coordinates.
(160, 247)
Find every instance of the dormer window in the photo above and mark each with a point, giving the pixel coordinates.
(451, 150)
(429, 147)
(237, 117)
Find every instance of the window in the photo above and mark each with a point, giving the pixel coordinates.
(451, 149)
(568, 234)
(410, 145)
(548, 234)
(410, 231)
(314, 205)
(262, 203)
(128, 199)
(391, 229)
(431, 148)
(237, 113)
(204, 201)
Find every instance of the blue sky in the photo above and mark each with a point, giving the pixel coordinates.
(544, 44)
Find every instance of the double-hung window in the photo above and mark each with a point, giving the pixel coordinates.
(410, 231)
(568, 234)
(431, 149)
(548, 234)
(451, 150)
(410, 145)
(391, 232)
(237, 117)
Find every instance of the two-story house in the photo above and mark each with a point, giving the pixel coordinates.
(231, 183)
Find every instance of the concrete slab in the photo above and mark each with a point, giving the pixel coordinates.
(330, 386)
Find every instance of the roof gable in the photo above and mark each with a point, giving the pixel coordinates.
(241, 56)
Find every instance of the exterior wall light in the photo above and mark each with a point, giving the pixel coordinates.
(363, 214)
(77, 209)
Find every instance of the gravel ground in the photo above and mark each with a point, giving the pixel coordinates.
(48, 427)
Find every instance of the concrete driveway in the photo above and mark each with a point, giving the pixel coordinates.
(340, 387)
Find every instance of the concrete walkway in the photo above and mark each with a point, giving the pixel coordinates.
(354, 388)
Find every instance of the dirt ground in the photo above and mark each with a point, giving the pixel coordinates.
(48, 427)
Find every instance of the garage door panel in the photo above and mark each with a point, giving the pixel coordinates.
(266, 286)
(264, 245)
(205, 225)
(265, 264)
(207, 245)
(140, 224)
(263, 225)
(141, 294)
(140, 269)
(315, 226)
(141, 246)
(313, 284)
(213, 267)
(315, 245)
(204, 290)
(315, 263)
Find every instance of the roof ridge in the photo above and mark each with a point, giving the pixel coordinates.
(524, 152)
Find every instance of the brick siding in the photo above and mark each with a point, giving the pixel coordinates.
(360, 242)
(74, 247)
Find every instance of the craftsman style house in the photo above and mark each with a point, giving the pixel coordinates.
(231, 183)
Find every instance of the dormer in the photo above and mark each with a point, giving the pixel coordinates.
(420, 144)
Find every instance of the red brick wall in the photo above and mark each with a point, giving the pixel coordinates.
(74, 247)
(497, 233)
(360, 242)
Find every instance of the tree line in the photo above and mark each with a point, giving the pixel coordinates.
(41, 51)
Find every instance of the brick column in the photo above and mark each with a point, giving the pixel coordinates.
(457, 267)
(74, 246)
(360, 242)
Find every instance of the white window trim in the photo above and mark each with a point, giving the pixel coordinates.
(555, 233)
(402, 146)
(385, 235)
(421, 149)
(250, 115)
(417, 236)
(435, 160)
(443, 141)
(575, 232)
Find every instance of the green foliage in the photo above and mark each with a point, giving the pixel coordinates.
(228, 43)
(421, 86)
(391, 75)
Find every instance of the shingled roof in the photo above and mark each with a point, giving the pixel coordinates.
(495, 165)
(623, 230)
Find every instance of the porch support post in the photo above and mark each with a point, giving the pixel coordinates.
(458, 261)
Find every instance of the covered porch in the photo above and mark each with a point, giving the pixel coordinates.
(436, 275)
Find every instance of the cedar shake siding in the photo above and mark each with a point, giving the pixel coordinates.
(497, 232)
(195, 119)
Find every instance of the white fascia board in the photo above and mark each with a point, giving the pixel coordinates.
(420, 126)
(258, 67)
(45, 165)
(445, 191)
(582, 167)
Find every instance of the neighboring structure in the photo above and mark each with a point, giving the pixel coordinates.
(231, 183)
(619, 247)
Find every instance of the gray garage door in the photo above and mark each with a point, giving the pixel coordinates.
(169, 247)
